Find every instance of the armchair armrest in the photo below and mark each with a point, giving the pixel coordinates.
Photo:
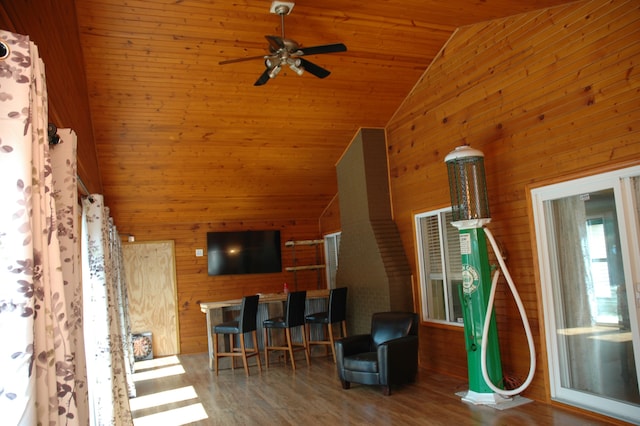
(348, 346)
(398, 360)
(352, 345)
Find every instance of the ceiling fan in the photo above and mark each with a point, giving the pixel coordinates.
(286, 52)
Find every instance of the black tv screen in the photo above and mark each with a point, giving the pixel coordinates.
(243, 252)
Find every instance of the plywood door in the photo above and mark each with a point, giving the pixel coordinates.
(151, 281)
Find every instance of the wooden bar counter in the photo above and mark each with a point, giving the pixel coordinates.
(271, 305)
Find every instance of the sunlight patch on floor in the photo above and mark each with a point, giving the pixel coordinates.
(161, 398)
(175, 417)
(157, 362)
(160, 368)
(160, 372)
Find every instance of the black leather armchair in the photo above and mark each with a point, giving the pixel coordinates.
(388, 356)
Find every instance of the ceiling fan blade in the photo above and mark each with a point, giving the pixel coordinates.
(314, 69)
(264, 77)
(248, 58)
(327, 48)
(276, 43)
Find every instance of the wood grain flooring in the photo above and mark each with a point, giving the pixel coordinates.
(190, 393)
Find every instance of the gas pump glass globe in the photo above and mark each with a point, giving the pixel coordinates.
(467, 184)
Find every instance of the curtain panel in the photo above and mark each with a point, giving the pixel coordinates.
(106, 329)
(42, 372)
(66, 354)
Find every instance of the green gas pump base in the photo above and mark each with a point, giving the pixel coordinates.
(474, 294)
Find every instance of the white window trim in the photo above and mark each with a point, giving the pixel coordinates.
(333, 237)
(422, 272)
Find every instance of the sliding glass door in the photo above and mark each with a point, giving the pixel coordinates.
(587, 233)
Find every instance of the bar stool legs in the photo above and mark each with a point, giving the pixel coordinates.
(293, 318)
(245, 324)
(336, 313)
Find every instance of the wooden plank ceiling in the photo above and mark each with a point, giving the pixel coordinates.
(182, 139)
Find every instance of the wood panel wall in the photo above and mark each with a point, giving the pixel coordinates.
(546, 96)
(330, 218)
(195, 285)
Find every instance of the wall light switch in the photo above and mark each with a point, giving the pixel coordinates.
(199, 253)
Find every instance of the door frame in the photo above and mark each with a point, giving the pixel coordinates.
(536, 195)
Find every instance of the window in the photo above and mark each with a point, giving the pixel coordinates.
(440, 266)
(606, 309)
(331, 249)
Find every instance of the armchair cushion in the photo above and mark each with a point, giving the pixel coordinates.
(366, 362)
(389, 355)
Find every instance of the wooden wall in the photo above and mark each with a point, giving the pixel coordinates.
(196, 286)
(546, 96)
(330, 218)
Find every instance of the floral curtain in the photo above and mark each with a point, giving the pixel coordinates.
(63, 169)
(42, 373)
(106, 327)
(57, 322)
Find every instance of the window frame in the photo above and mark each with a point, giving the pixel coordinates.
(446, 277)
(621, 181)
(331, 253)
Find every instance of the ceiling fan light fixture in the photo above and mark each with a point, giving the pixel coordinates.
(296, 69)
(294, 64)
(274, 71)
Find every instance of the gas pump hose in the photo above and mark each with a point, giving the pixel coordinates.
(525, 323)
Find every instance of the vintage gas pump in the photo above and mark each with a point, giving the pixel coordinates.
(470, 209)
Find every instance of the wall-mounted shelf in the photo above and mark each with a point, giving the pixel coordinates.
(303, 243)
(317, 266)
(303, 268)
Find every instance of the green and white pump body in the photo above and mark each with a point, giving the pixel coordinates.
(470, 208)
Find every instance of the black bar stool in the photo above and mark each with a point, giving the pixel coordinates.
(246, 323)
(337, 313)
(293, 318)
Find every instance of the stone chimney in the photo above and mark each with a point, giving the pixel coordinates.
(371, 261)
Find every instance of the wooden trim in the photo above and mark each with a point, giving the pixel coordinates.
(303, 268)
(303, 243)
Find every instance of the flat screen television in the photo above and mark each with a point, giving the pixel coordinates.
(243, 252)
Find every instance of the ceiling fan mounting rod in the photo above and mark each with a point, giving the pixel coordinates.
(282, 11)
(281, 8)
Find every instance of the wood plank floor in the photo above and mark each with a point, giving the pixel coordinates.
(189, 393)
